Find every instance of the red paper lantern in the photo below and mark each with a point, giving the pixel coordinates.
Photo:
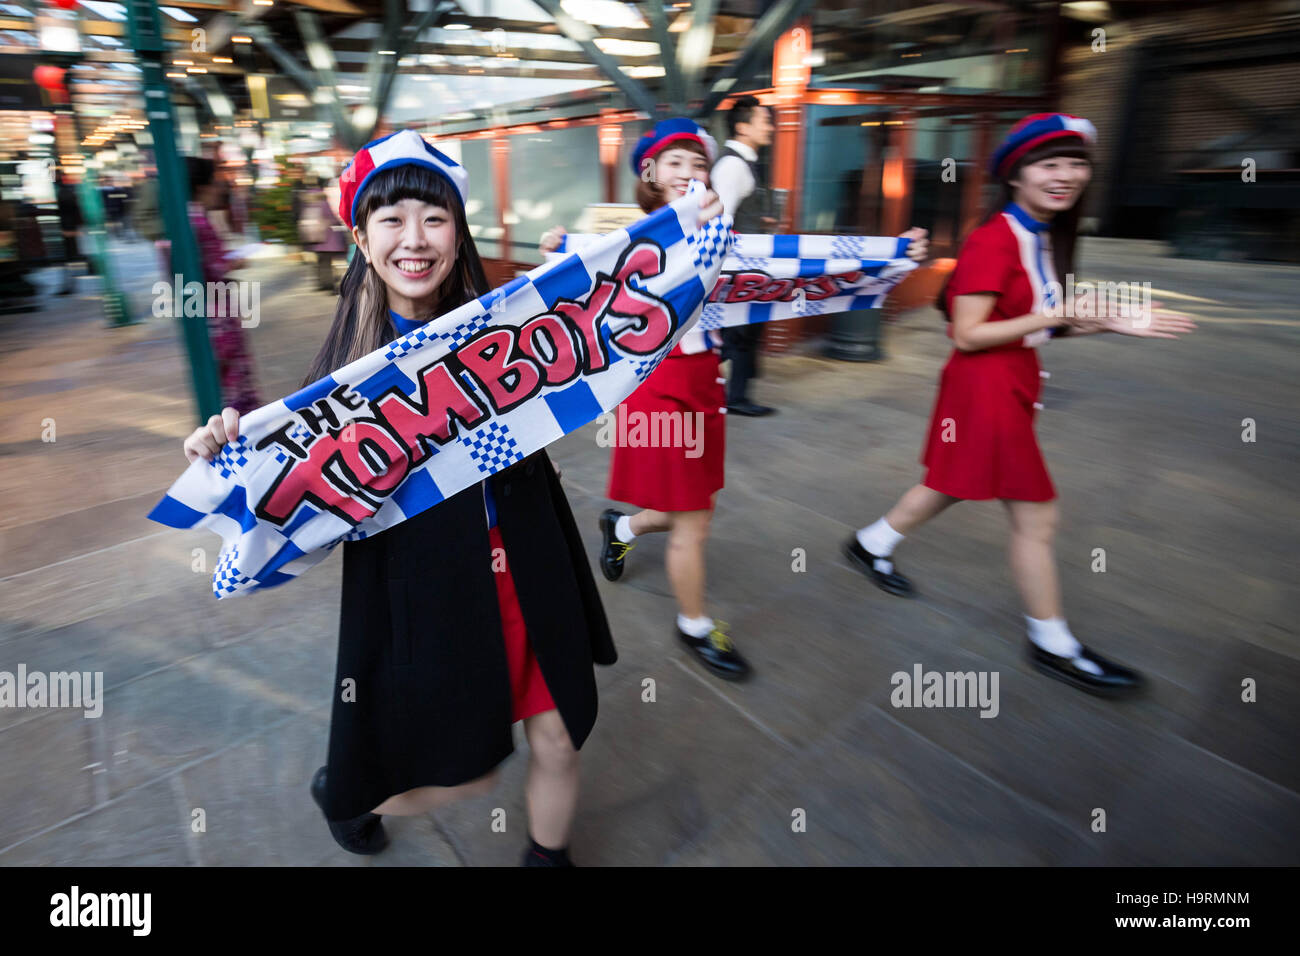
(65, 4)
(49, 77)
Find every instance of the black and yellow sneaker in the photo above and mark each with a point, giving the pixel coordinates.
(612, 550)
(717, 653)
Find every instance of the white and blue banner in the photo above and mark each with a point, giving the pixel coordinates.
(768, 278)
(445, 406)
(472, 392)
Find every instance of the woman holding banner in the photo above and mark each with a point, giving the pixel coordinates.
(469, 616)
(1002, 301)
(676, 487)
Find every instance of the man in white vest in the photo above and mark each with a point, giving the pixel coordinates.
(737, 181)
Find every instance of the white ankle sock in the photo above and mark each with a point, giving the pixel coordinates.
(1053, 635)
(880, 539)
(695, 626)
(623, 530)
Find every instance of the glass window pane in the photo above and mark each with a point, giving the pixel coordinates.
(554, 175)
(481, 210)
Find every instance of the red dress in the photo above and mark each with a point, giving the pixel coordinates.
(981, 442)
(527, 686)
(672, 461)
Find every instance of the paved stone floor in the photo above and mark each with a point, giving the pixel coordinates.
(224, 706)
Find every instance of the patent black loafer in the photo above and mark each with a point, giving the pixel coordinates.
(716, 652)
(612, 550)
(865, 561)
(364, 834)
(1115, 680)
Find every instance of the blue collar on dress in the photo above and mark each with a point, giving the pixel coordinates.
(1026, 220)
(402, 324)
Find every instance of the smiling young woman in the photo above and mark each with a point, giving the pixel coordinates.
(469, 616)
(1002, 301)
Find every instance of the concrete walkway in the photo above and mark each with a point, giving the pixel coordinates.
(223, 706)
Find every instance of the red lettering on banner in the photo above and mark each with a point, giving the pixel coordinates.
(778, 289)
(822, 287)
(307, 481)
(746, 286)
(443, 400)
(350, 470)
(493, 360)
(558, 342)
(390, 455)
(586, 318)
(656, 323)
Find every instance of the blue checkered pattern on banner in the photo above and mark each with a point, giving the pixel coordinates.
(645, 366)
(493, 448)
(233, 455)
(227, 579)
(846, 247)
(468, 330)
(711, 243)
(255, 476)
(411, 340)
(712, 316)
(455, 337)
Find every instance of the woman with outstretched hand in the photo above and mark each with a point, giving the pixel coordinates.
(1002, 302)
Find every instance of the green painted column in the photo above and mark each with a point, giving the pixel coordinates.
(145, 30)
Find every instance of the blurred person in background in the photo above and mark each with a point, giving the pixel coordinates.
(1002, 301)
(229, 343)
(116, 195)
(70, 222)
(320, 231)
(737, 174)
(441, 613)
(146, 213)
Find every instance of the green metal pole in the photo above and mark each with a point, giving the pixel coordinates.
(145, 28)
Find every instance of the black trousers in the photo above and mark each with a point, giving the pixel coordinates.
(740, 344)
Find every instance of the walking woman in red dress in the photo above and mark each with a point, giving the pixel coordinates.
(472, 615)
(675, 487)
(1002, 301)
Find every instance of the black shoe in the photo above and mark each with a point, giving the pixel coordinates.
(612, 550)
(364, 834)
(533, 858)
(890, 580)
(749, 409)
(1114, 680)
(717, 653)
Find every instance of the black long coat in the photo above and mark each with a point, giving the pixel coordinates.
(420, 634)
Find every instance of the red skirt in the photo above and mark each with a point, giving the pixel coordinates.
(671, 441)
(527, 686)
(981, 443)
